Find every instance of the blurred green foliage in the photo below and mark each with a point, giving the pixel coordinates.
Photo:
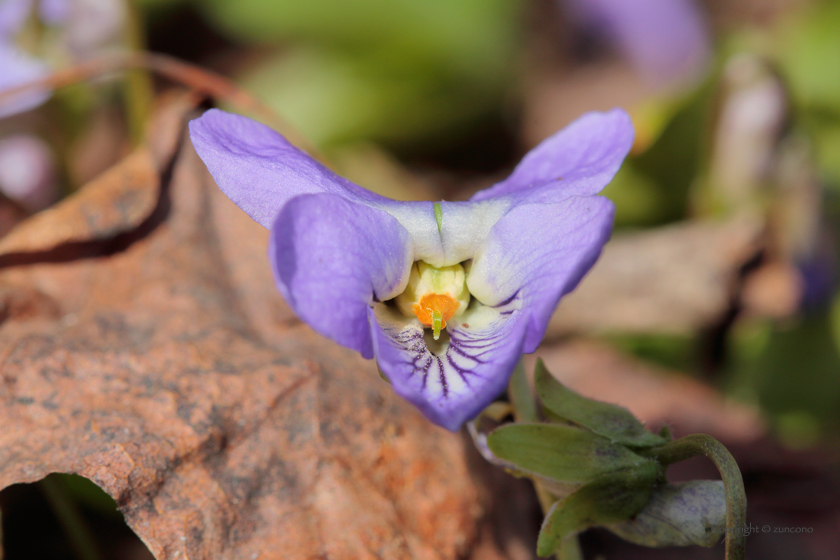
(381, 69)
(790, 370)
(808, 51)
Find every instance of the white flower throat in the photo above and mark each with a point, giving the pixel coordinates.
(434, 295)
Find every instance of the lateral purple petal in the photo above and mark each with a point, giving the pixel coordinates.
(332, 258)
(258, 169)
(579, 160)
(17, 69)
(455, 383)
(538, 253)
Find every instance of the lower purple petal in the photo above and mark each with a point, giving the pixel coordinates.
(456, 382)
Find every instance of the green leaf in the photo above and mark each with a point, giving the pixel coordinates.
(480, 32)
(389, 70)
(560, 453)
(802, 48)
(610, 499)
(609, 420)
(692, 513)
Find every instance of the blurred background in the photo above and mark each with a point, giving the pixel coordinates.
(714, 308)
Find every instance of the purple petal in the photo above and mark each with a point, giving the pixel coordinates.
(457, 381)
(260, 170)
(332, 258)
(579, 160)
(665, 39)
(16, 69)
(13, 14)
(93, 25)
(538, 253)
(54, 12)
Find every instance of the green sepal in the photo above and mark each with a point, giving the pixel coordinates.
(560, 453)
(609, 499)
(438, 217)
(609, 420)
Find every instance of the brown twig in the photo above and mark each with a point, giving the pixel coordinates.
(190, 75)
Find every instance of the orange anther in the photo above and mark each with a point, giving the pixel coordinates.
(444, 304)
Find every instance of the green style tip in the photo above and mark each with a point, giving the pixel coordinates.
(437, 321)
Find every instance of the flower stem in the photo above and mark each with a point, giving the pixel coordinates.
(137, 85)
(736, 500)
(521, 396)
(525, 410)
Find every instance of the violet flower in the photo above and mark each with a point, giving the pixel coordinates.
(445, 295)
(16, 69)
(666, 40)
(87, 27)
(27, 172)
(16, 66)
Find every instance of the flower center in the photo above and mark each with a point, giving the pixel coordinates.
(434, 295)
(434, 310)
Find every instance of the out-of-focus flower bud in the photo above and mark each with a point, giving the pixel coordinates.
(18, 68)
(666, 40)
(27, 172)
(93, 26)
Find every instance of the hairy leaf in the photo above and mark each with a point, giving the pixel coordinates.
(609, 420)
(609, 499)
(560, 453)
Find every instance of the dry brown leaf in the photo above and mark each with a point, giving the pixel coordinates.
(170, 374)
(674, 279)
(116, 202)
(10, 216)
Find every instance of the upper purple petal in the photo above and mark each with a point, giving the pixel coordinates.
(16, 69)
(538, 253)
(260, 170)
(332, 258)
(579, 160)
(454, 383)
